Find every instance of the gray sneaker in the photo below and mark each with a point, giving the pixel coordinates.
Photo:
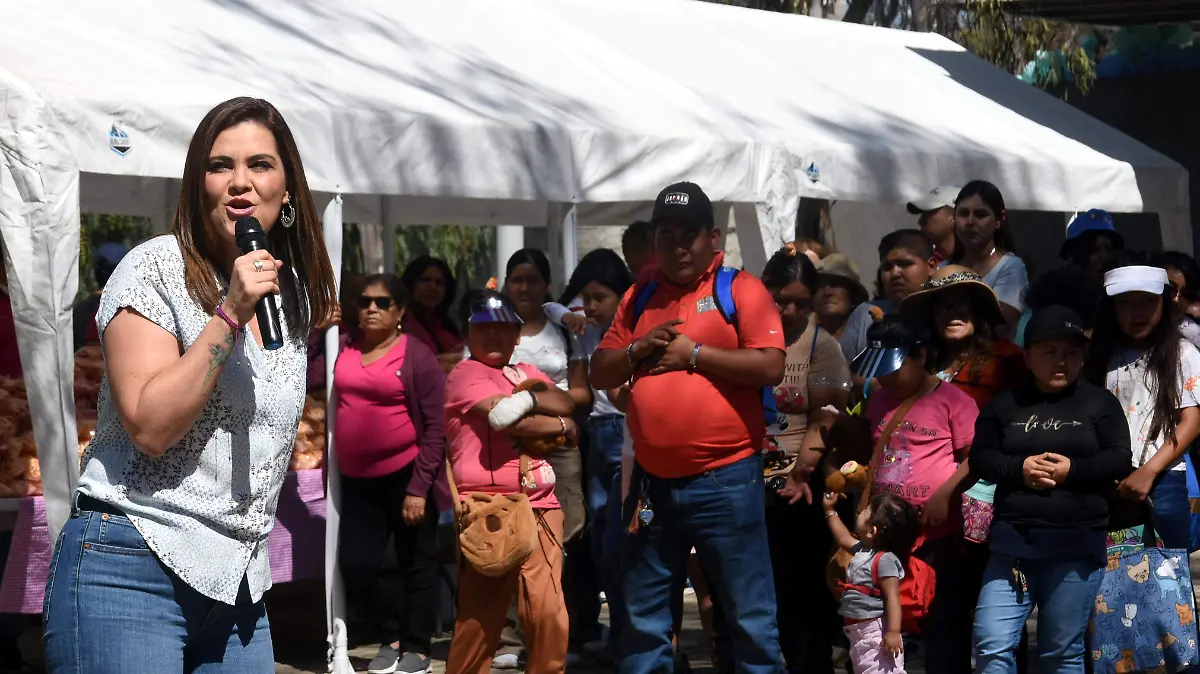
(414, 663)
(385, 662)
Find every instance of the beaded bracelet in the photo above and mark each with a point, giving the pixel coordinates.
(237, 329)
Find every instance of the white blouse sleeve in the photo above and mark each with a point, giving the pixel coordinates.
(137, 283)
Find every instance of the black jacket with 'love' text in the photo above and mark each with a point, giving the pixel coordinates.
(1084, 423)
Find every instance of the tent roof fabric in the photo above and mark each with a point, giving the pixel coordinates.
(572, 101)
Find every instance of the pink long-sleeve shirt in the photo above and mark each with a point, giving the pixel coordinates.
(389, 414)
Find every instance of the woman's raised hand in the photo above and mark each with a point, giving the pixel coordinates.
(255, 275)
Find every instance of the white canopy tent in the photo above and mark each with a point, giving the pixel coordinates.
(527, 111)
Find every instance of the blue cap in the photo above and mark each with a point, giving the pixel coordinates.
(1093, 220)
(493, 309)
(111, 253)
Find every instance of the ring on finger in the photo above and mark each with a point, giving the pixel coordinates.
(258, 265)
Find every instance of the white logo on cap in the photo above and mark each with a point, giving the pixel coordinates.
(677, 198)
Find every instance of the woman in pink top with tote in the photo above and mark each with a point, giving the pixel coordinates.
(484, 414)
(390, 439)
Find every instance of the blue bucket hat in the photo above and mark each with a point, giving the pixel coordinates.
(1093, 220)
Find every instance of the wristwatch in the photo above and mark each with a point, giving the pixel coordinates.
(695, 355)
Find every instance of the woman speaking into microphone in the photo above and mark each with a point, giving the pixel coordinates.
(163, 564)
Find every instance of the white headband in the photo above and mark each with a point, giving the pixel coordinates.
(1135, 279)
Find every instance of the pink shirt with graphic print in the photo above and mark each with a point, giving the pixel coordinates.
(484, 459)
(926, 448)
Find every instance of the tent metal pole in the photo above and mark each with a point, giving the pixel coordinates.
(509, 239)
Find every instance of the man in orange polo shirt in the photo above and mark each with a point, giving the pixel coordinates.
(697, 422)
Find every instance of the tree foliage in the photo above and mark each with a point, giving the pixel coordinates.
(987, 28)
(990, 31)
(97, 229)
(468, 250)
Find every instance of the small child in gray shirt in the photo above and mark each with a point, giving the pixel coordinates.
(871, 593)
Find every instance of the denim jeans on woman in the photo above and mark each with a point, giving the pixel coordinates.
(1172, 509)
(606, 435)
(721, 513)
(112, 606)
(1064, 592)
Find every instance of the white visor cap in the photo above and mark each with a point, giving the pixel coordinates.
(1135, 280)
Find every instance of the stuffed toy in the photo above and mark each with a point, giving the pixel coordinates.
(848, 448)
(538, 446)
(852, 475)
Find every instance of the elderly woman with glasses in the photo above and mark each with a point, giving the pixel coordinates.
(390, 441)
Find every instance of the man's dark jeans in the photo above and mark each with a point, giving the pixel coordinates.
(721, 513)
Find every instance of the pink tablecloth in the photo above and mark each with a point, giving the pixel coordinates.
(296, 544)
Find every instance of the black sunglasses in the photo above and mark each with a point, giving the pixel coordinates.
(365, 302)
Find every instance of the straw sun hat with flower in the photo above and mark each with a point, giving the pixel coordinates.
(955, 278)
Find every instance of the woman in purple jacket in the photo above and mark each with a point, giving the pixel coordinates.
(390, 440)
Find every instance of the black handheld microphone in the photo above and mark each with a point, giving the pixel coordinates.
(249, 234)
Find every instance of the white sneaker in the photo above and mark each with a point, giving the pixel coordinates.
(506, 661)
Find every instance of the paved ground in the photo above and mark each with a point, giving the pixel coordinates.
(298, 629)
(300, 648)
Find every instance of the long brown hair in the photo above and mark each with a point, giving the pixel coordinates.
(1163, 350)
(300, 247)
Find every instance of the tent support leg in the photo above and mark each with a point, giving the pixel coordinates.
(509, 239)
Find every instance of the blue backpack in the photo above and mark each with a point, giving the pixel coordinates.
(723, 297)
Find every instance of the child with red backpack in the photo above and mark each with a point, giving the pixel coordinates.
(872, 603)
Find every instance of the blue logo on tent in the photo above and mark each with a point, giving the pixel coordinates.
(118, 141)
(813, 173)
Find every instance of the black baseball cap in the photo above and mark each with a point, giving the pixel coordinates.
(1053, 321)
(684, 202)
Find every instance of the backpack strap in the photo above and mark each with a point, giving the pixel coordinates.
(874, 590)
(641, 299)
(723, 294)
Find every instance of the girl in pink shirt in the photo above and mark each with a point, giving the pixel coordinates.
(390, 443)
(925, 463)
(483, 416)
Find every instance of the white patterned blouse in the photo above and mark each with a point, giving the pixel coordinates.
(206, 506)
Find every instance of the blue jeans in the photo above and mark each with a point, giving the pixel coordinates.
(603, 471)
(1172, 509)
(722, 514)
(1064, 592)
(112, 606)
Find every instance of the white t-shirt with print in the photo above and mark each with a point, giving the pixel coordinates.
(550, 352)
(1129, 381)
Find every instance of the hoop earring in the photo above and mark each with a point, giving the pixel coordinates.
(287, 215)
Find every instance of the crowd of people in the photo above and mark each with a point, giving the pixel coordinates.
(831, 469)
(671, 467)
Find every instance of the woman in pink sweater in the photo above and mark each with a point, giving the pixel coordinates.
(389, 435)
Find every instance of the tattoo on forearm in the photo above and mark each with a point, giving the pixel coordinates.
(218, 354)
